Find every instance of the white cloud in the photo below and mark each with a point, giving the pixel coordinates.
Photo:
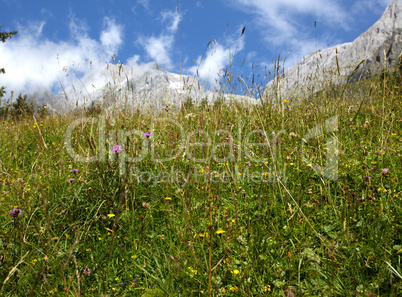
(210, 67)
(172, 18)
(281, 21)
(160, 48)
(133, 60)
(111, 36)
(32, 60)
(46, 12)
(144, 3)
(78, 28)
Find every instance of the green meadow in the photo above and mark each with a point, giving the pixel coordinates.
(298, 198)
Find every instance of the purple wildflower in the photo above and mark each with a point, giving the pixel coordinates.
(248, 163)
(116, 149)
(372, 168)
(122, 285)
(74, 170)
(367, 178)
(377, 152)
(385, 171)
(71, 180)
(16, 212)
(147, 134)
(87, 271)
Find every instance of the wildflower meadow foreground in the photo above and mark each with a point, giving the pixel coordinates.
(293, 198)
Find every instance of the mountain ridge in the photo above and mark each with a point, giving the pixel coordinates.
(149, 88)
(364, 57)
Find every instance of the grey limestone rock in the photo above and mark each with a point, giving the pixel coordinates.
(366, 56)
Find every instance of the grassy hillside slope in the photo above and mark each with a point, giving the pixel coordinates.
(221, 200)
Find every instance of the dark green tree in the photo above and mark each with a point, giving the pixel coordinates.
(21, 107)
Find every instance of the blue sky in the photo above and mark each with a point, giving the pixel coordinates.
(143, 31)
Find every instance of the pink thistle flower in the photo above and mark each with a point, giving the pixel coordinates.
(16, 212)
(385, 171)
(116, 149)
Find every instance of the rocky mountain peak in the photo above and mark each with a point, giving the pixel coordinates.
(366, 56)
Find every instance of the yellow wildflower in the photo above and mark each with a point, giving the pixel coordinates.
(234, 289)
